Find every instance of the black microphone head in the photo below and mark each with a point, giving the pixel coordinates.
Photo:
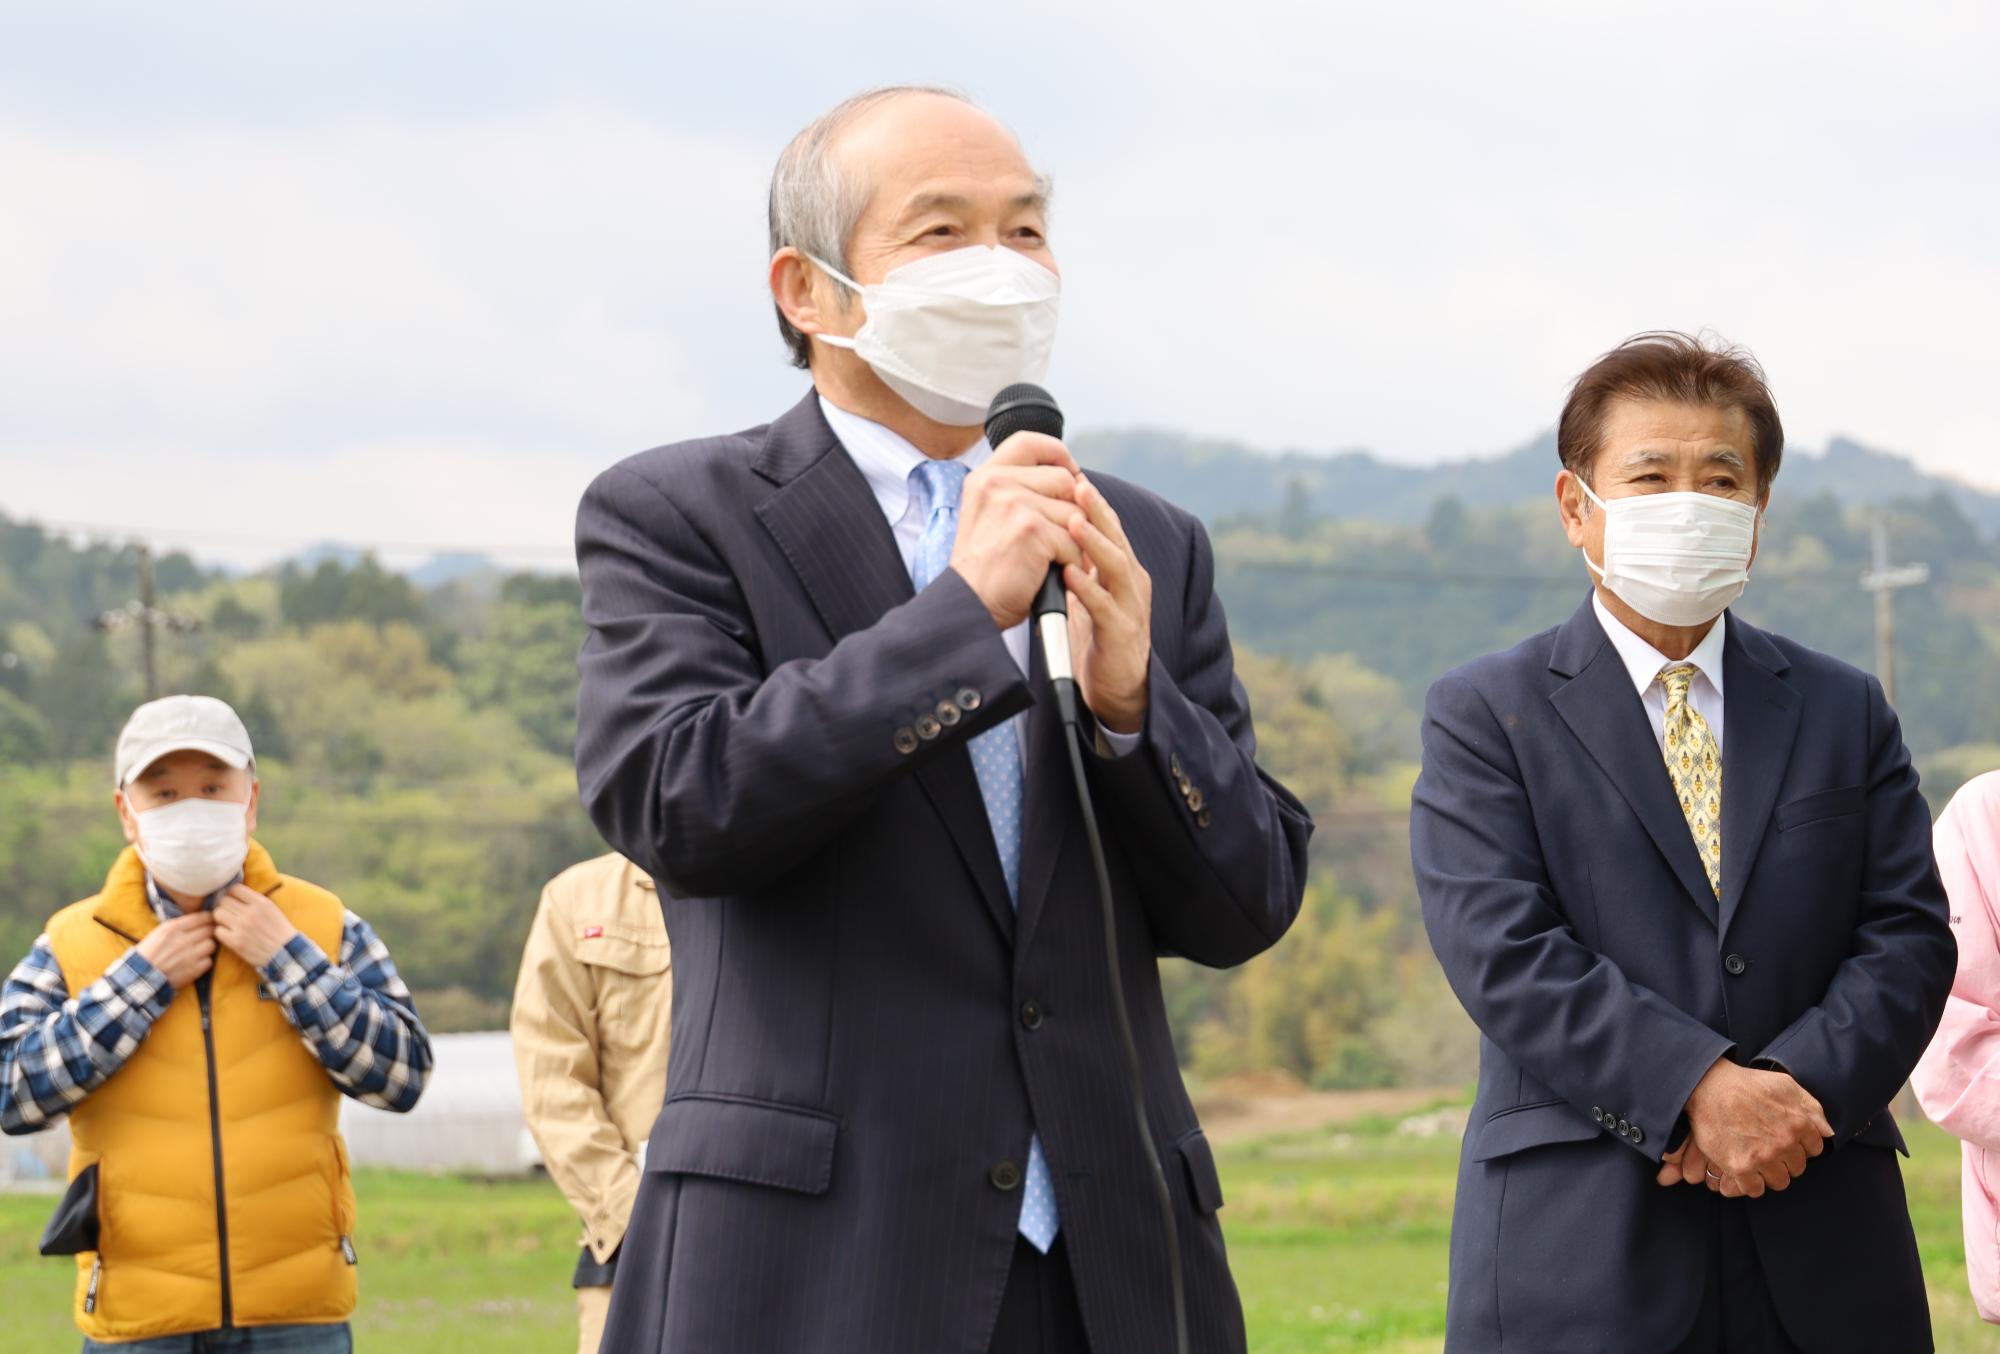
(1023, 408)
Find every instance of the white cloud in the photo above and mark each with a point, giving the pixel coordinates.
(411, 499)
(425, 300)
(266, 289)
(1453, 331)
(362, 332)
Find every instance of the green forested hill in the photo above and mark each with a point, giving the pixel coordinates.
(1412, 602)
(1221, 478)
(415, 740)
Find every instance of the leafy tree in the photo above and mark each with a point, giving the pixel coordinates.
(415, 743)
(333, 592)
(1306, 1006)
(543, 590)
(525, 665)
(1948, 771)
(1298, 739)
(58, 837)
(24, 734)
(234, 619)
(84, 697)
(1370, 709)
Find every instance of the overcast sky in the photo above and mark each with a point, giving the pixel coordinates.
(395, 272)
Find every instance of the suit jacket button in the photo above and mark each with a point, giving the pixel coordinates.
(1638, 1135)
(1597, 1114)
(1031, 1016)
(928, 727)
(1624, 1129)
(1735, 964)
(906, 740)
(948, 713)
(1174, 765)
(1005, 1176)
(1196, 800)
(1204, 818)
(968, 700)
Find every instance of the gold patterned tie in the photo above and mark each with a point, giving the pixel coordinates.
(1695, 763)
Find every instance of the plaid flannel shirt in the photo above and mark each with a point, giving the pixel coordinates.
(354, 1015)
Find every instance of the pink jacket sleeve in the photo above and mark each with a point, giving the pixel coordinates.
(1958, 1079)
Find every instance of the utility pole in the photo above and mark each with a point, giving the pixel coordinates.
(145, 614)
(1883, 580)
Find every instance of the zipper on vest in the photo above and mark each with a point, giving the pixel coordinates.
(201, 989)
(90, 1293)
(347, 1251)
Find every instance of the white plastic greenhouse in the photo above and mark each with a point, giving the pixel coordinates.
(469, 1120)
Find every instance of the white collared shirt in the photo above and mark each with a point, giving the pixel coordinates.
(889, 463)
(1643, 663)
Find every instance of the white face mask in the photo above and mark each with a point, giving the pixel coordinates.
(195, 846)
(1679, 559)
(951, 331)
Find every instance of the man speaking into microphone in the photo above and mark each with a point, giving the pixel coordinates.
(898, 1116)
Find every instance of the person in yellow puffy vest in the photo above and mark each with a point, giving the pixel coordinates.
(198, 1021)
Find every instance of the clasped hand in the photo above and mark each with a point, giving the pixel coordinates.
(1029, 507)
(1749, 1131)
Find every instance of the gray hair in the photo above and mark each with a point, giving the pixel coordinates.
(814, 204)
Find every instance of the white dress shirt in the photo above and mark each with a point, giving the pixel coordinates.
(889, 462)
(1643, 662)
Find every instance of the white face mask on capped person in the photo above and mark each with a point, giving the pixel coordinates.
(1678, 559)
(951, 331)
(197, 845)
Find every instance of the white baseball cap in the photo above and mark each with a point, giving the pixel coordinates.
(181, 724)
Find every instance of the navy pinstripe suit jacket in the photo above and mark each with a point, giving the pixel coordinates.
(864, 1027)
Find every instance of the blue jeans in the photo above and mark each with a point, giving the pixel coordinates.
(239, 1340)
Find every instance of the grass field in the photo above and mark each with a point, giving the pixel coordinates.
(1338, 1239)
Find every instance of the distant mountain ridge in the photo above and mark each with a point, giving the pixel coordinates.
(1219, 478)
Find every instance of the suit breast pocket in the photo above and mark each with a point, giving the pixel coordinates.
(1822, 806)
(1818, 849)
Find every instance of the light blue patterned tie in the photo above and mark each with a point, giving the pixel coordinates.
(996, 761)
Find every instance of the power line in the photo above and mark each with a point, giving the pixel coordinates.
(1362, 573)
(147, 615)
(1341, 569)
(1810, 578)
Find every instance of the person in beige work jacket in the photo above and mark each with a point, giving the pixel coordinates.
(590, 1044)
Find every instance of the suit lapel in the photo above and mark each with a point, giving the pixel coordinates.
(1051, 797)
(1761, 725)
(828, 524)
(1606, 715)
(831, 531)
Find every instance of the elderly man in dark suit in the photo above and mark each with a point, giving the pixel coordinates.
(1704, 953)
(896, 1114)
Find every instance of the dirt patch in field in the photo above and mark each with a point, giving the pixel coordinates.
(1268, 1104)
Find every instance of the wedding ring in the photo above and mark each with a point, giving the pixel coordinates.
(1711, 1175)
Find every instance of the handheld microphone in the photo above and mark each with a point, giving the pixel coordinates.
(1029, 408)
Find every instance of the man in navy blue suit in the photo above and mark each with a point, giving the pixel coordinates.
(1679, 873)
(896, 1118)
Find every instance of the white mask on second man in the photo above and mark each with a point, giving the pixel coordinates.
(1678, 559)
(951, 331)
(197, 845)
